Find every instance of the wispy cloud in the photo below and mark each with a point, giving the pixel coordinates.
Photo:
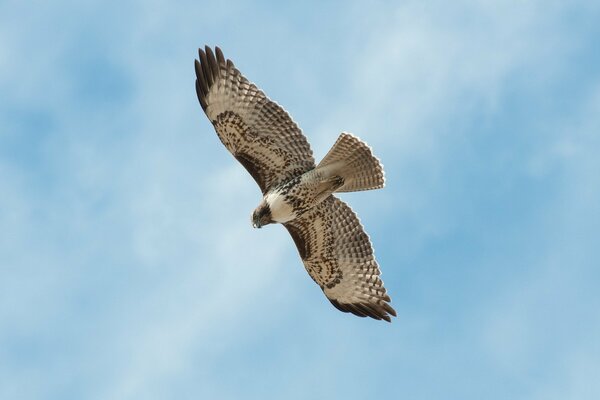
(128, 265)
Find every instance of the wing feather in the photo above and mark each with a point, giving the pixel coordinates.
(257, 131)
(338, 256)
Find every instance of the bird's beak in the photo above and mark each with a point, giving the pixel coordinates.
(256, 223)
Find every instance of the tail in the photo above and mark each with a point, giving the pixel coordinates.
(351, 159)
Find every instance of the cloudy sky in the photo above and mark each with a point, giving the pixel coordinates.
(128, 265)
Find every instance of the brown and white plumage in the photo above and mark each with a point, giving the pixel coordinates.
(338, 255)
(257, 131)
(334, 248)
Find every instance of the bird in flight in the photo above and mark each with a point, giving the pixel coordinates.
(298, 193)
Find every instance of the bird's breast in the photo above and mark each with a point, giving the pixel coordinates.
(282, 210)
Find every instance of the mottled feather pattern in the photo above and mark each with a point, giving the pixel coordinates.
(252, 127)
(338, 255)
(355, 159)
(334, 248)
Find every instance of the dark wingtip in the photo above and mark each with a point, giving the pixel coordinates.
(205, 68)
(220, 57)
(337, 305)
(200, 76)
(201, 86)
(389, 309)
(207, 72)
(201, 97)
(197, 68)
(212, 63)
(375, 311)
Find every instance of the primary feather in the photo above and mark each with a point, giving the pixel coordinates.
(257, 131)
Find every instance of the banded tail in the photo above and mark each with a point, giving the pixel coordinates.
(352, 159)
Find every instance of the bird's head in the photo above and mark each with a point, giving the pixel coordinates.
(262, 215)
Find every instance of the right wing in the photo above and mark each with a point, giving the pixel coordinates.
(257, 131)
(338, 256)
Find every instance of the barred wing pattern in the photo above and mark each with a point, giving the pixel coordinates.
(257, 131)
(338, 255)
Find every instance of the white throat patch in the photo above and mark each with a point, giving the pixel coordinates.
(281, 211)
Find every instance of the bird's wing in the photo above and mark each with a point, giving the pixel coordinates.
(257, 131)
(338, 255)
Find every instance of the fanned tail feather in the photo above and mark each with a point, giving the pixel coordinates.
(352, 159)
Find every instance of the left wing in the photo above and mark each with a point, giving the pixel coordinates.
(338, 256)
(257, 131)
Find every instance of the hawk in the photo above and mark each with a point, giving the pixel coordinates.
(297, 193)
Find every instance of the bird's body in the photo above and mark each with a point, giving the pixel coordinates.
(294, 197)
(334, 248)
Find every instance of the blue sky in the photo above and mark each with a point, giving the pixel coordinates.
(128, 265)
